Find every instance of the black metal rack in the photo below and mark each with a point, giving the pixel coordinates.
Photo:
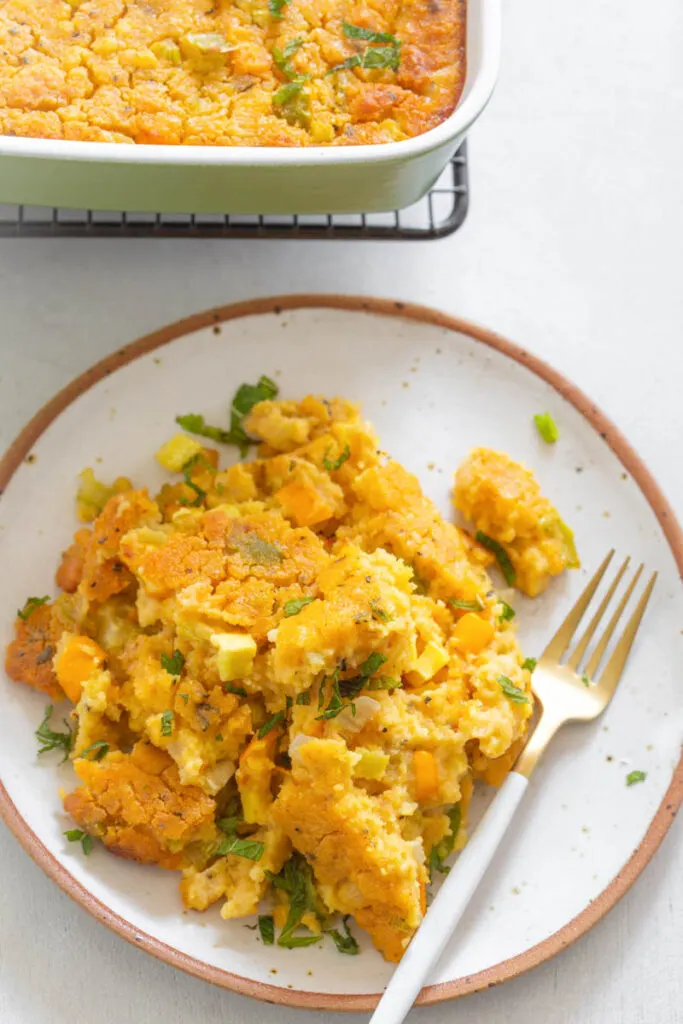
(439, 213)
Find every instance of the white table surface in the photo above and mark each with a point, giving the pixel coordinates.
(573, 246)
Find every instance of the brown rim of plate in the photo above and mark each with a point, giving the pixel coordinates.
(612, 437)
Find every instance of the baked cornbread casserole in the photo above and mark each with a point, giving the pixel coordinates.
(229, 72)
(286, 675)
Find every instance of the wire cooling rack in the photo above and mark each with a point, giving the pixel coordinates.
(439, 213)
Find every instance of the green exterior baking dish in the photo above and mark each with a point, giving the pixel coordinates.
(248, 179)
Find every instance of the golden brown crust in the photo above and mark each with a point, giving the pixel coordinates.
(28, 658)
(102, 70)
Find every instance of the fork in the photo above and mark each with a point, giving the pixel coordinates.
(566, 691)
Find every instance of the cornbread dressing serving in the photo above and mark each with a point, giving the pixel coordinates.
(286, 675)
(229, 72)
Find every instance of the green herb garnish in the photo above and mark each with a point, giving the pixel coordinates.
(387, 55)
(350, 688)
(200, 494)
(246, 397)
(30, 606)
(529, 664)
(276, 7)
(501, 555)
(358, 32)
(239, 691)
(266, 927)
(51, 740)
(98, 749)
(372, 664)
(382, 683)
(350, 62)
(250, 849)
(283, 58)
(294, 606)
(272, 723)
(333, 464)
(167, 723)
(184, 697)
(465, 606)
(634, 777)
(174, 664)
(443, 849)
(547, 427)
(511, 691)
(76, 835)
(336, 704)
(345, 943)
(304, 698)
(507, 613)
(585, 680)
(296, 879)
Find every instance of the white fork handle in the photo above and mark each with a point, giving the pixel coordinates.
(439, 923)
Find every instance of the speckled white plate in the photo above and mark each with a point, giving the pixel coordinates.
(434, 387)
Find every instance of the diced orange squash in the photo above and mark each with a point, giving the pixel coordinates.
(472, 633)
(426, 776)
(79, 658)
(304, 504)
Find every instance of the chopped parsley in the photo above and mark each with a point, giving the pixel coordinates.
(304, 698)
(333, 464)
(511, 691)
(529, 664)
(465, 606)
(585, 680)
(246, 397)
(98, 749)
(167, 723)
(345, 942)
(239, 691)
(501, 555)
(250, 849)
(294, 606)
(51, 740)
(547, 427)
(76, 835)
(266, 926)
(507, 613)
(443, 849)
(634, 777)
(233, 816)
(272, 723)
(276, 7)
(296, 879)
(30, 606)
(174, 664)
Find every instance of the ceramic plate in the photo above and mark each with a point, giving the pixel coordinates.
(433, 387)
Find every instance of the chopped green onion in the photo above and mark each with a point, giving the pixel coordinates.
(30, 606)
(501, 555)
(333, 464)
(167, 723)
(507, 613)
(465, 606)
(547, 427)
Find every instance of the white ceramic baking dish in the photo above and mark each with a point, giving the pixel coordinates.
(247, 179)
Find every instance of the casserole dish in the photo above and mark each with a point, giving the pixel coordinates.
(248, 179)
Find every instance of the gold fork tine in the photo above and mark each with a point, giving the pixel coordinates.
(575, 660)
(560, 642)
(599, 652)
(615, 666)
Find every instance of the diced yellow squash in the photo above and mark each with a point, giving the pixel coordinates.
(92, 495)
(235, 657)
(177, 452)
(166, 49)
(372, 764)
(431, 661)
